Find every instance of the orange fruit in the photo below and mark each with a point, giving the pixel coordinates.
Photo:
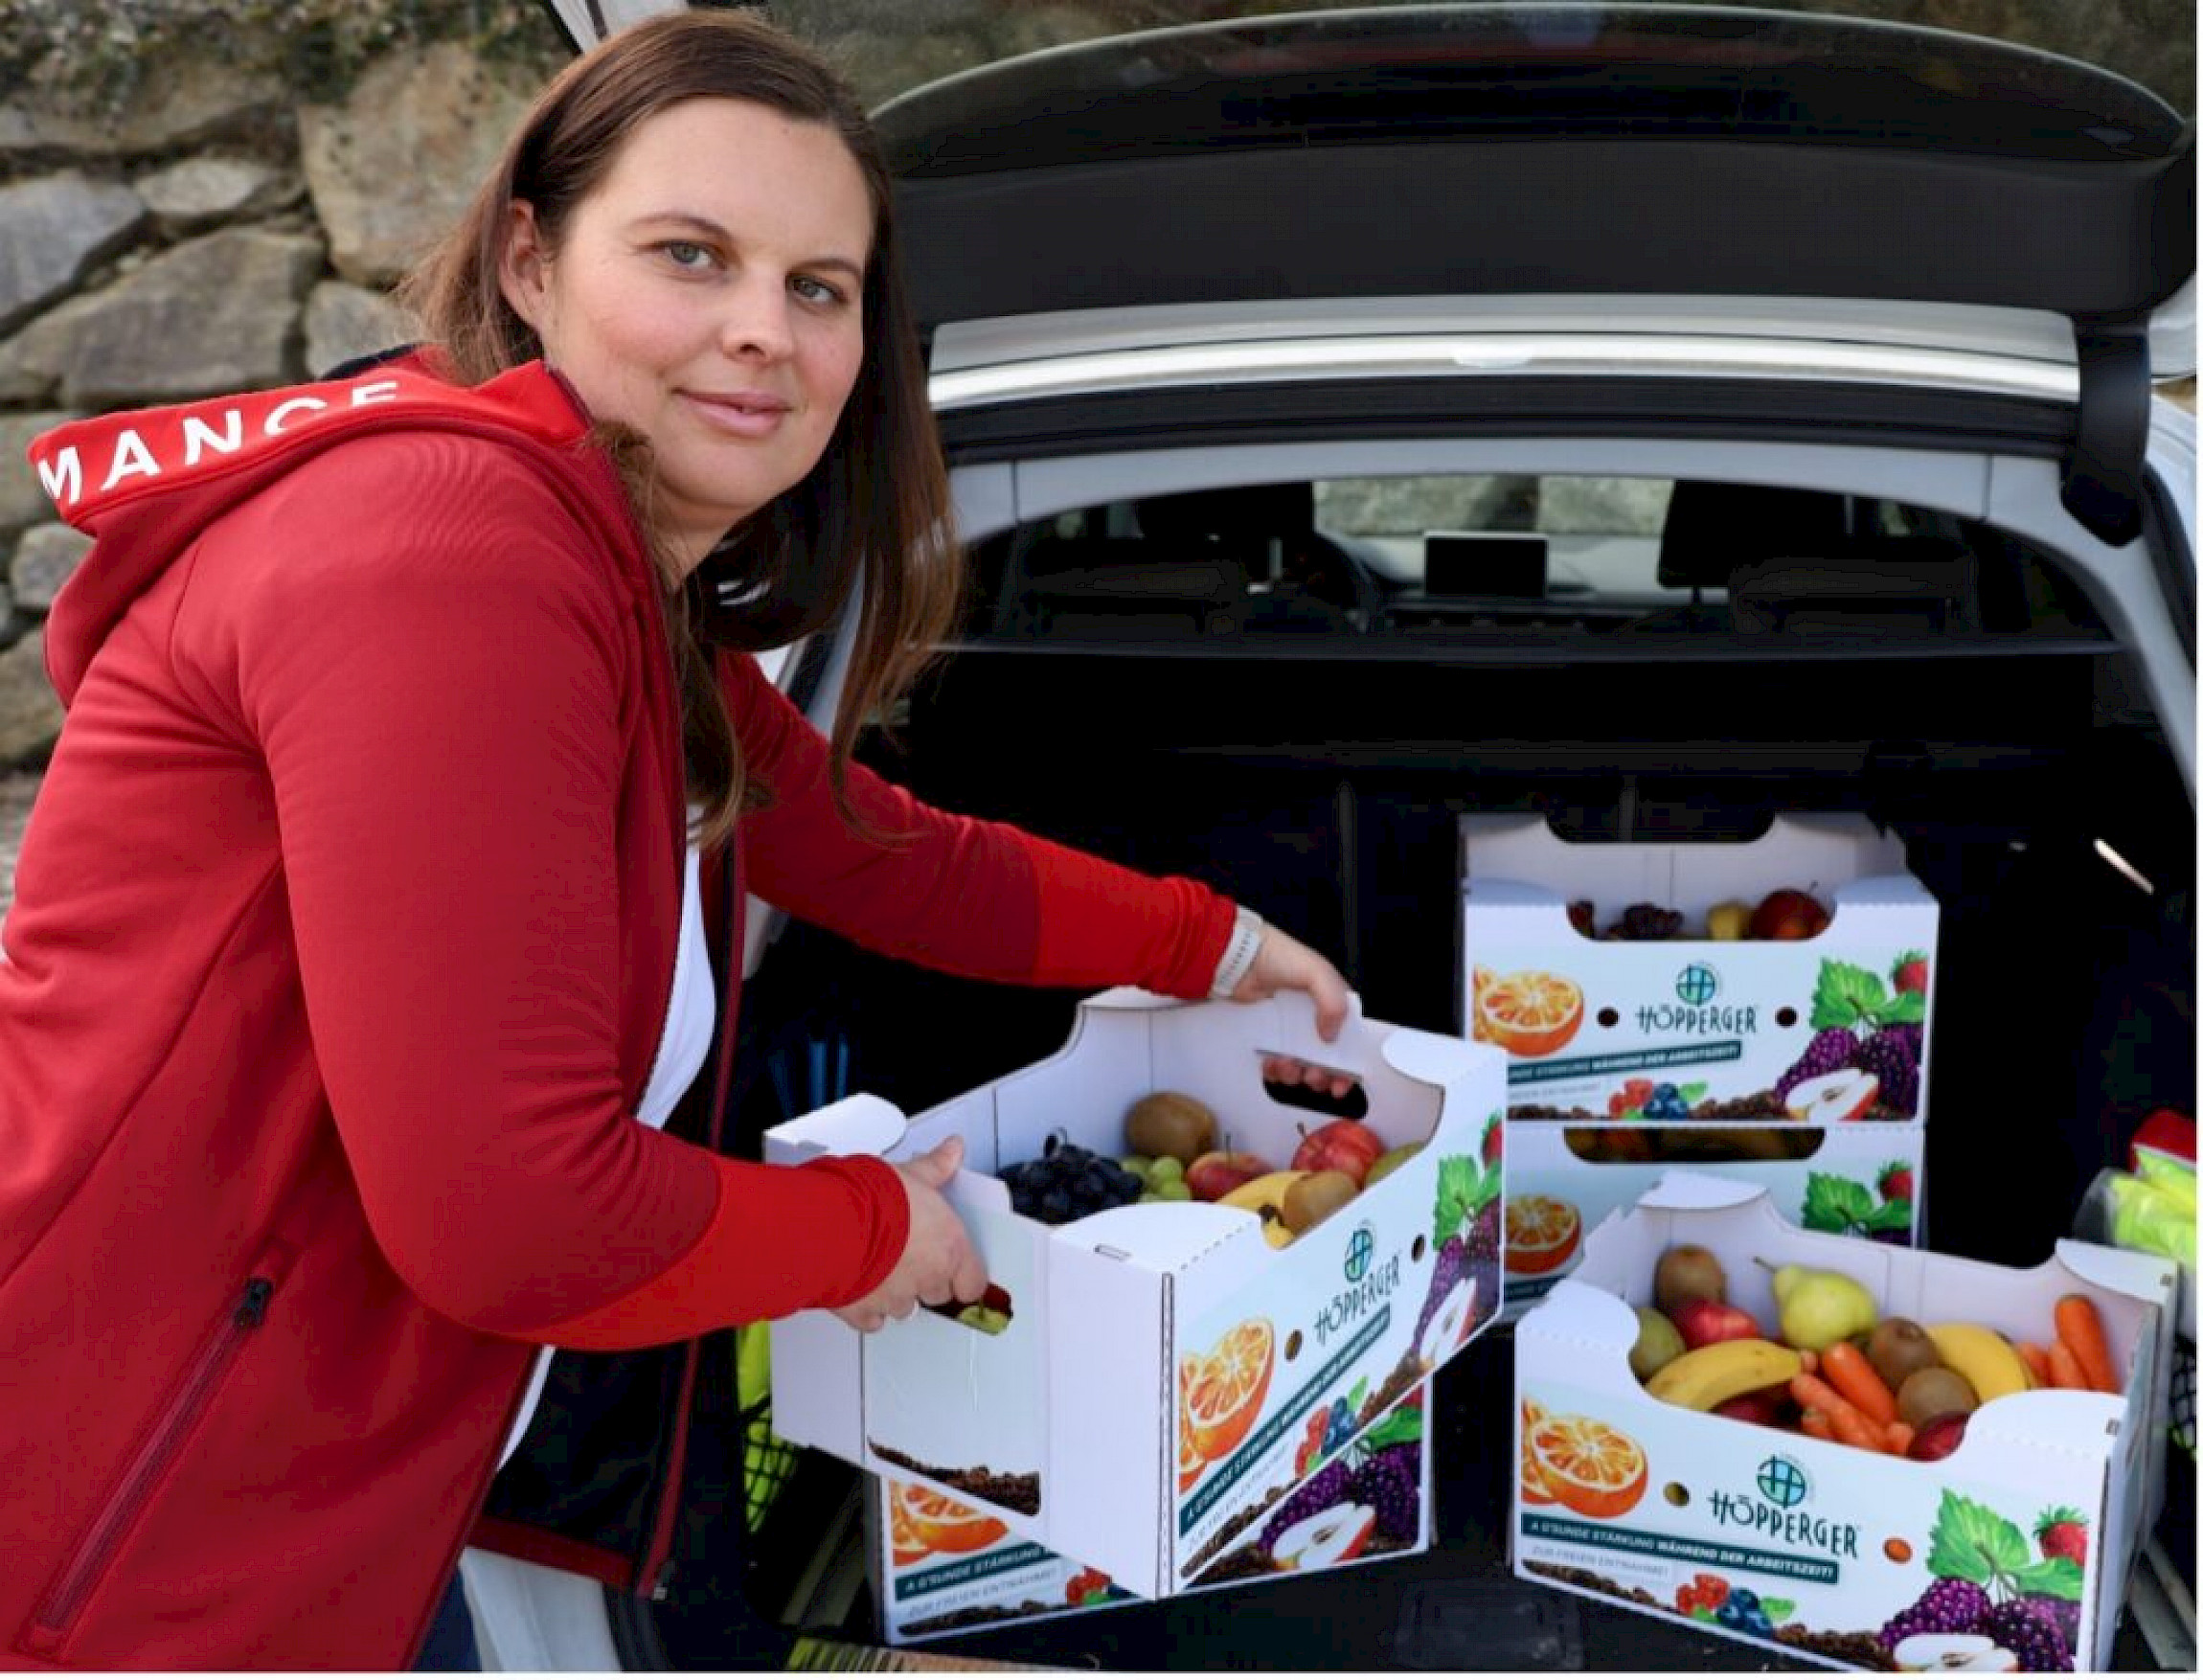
(1527, 1014)
(1225, 1395)
(942, 1524)
(1533, 1483)
(1541, 1234)
(903, 1542)
(1590, 1466)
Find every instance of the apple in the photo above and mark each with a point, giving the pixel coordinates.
(1703, 1323)
(1729, 920)
(1789, 914)
(1213, 1176)
(1938, 1437)
(1345, 1146)
(1762, 1406)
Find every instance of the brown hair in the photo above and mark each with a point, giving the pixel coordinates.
(872, 513)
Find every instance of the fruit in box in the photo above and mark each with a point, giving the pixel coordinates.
(1983, 1357)
(1172, 1124)
(1898, 1348)
(1344, 1146)
(1935, 1390)
(1705, 1323)
(1729, 920)
(1687, 1272)
(1788, 913)
(1215, 1175)
(1703, 1378)
(1819, 1307)
(1658, 1342)
(1390, 1162)
(1311, 1199)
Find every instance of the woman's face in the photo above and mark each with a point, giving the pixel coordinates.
(709, 293)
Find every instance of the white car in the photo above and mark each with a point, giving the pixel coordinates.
(1655, 418)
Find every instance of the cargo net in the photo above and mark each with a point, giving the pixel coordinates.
(768, 1460)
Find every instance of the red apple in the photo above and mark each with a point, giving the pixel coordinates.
(1345, 1146)
(1938, 1437)
(1789, 914)
(1703, 1323)
(1762, 1406)
(1213, 1176)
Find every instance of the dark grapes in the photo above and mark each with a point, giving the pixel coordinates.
(1067, 1181)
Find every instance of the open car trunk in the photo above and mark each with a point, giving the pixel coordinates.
(1316, 764)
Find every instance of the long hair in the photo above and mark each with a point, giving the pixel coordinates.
(872, 513)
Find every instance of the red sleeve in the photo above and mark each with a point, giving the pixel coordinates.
(440, 696)
(971, 898)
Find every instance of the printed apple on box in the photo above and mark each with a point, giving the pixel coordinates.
(1147, 1384)
(1760, 1008)
(942, 1567)
(2000, 1536)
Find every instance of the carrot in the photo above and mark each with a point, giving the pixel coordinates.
(1899, 1435)
(1853, 1376)
(1815, 1423)
(2079, 1328)
(1851, 1426)
(2065, 1370)
(2037, 1359)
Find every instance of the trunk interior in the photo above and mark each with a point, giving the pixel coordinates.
(1321, 778)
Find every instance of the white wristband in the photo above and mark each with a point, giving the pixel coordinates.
(1238, 952)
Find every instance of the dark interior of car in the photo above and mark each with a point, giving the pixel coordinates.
(1207, 684)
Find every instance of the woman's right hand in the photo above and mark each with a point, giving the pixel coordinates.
(938, 1264)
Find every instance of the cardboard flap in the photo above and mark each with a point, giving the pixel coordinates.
(1700, 1191)
(859, 1125)
(2147, 1277)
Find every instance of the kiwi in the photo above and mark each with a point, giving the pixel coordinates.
(1311, 1199)
(1687, 1272)
(1935, 1390)
(1172, 1124)
(1898, 1348)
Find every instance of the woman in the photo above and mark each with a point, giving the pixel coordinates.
(356, 956)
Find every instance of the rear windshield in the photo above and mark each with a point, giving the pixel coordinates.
(1572, 554)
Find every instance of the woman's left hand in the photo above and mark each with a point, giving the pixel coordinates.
(1283, 963)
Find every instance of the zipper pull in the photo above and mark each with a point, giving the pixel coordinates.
(254, 1307)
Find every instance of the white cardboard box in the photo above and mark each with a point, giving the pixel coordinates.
(1067, 1426)
(1722, 1021)
(1833, 1541)
(927, 1594)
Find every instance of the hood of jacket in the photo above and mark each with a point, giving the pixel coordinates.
(144, 484)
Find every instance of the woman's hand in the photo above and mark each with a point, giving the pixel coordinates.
(1283, 963)
(938, 1264)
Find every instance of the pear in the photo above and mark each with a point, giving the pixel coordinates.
(1820, 1309)
(1658, 1341)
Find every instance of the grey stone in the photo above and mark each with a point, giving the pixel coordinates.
(23, 501)
(21, 385)
(44, 557)
(182, 98)
(199, 192)
(52, 230)
(209, 316)
(30, 713)
(343, 320)
(393, 167)
(1635, 506)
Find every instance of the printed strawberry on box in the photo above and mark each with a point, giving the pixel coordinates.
(942, 1567)
(1699, 1484)
(1794, 1056)
(1144, 1384)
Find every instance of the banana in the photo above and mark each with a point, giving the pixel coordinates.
(1265, 1195)
(1983, 1357)
(1702, 1378)
(1256, 1192)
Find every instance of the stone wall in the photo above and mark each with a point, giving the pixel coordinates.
(200, 196)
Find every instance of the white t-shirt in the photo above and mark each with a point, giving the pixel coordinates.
(690, 1018)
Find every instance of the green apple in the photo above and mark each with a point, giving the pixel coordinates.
(1387, 1162)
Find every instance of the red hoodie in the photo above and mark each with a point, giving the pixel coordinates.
(342, 942)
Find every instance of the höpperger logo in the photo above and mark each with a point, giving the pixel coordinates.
(1784, 1482)
(1697, 985)
(1361, 1250)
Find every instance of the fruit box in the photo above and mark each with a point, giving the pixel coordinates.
(941, 1568)
(1809, 1056)
(1825, 1551)
(1163, 1365)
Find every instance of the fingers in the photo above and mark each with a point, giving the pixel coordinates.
(938, 1164)
(1328, 987)
(970, 1279)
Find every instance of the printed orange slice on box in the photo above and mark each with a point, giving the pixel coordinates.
(1542, 1233)
(943, 1524)
(904, 1544)
(1533, 1483)
(1529, 1013)
(1589, 1466)
(1226, 1395)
